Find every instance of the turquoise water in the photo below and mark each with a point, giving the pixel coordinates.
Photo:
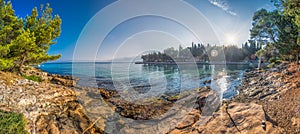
(152, 79)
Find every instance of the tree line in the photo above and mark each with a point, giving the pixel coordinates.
(202, 53)
(26, 41)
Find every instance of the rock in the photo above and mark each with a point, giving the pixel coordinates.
(286, 72)
(188, 121)
(239, 118)
(255, 93)
(62, 81)
(53, 128)
(27, 100)
(207, 82)
(175, 131)
(47, 107)
(106, 94)
(296, 122)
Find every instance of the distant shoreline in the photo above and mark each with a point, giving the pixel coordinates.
(165, 63)
(199, 63)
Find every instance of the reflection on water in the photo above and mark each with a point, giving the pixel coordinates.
(152, 79)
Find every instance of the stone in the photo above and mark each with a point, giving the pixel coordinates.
(62, 81)
(106, 94)
(27, 100)
(188, 121)
(53, 129)
(207, 82)
(296, 122)
(239, 118)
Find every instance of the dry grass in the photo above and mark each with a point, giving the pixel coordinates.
(8, 78)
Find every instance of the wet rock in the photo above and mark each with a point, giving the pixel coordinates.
(142, 89)
(141, 111)
(106, 94)
(207, 82)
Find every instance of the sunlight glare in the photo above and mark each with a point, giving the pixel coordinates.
(231, 39)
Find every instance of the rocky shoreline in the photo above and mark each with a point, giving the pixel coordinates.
(48, 106)
(278, 91)
(268, 102)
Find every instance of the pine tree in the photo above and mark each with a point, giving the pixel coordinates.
(26, 41)
(10, 28)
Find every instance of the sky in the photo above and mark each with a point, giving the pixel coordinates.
(102, 30)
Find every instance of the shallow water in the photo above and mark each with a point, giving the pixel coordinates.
(152, 80)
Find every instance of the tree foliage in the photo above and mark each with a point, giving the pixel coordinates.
(201, 53)
(25, 41)
(278, 29)
(264, 26)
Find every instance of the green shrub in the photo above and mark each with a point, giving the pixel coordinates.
(12, 123)
(278, 61)
(275, 60)
(27, 68)
(33, 78)
(271, 65)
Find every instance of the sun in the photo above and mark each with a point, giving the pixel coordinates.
(231, 39)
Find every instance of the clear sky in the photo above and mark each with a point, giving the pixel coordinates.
(161, 25)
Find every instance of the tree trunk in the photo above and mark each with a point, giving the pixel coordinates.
(21, 65)
(297, 58)
(259, 63)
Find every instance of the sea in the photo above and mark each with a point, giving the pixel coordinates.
(152, 79)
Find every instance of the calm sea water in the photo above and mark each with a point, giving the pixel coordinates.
(153, 79)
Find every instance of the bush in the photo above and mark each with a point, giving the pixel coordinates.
(275, 60)
(33, 78)
(271, 65)
(12, 123)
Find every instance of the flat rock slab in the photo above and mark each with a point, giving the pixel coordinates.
(239, 118)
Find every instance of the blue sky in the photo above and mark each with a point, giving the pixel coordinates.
(230, 21)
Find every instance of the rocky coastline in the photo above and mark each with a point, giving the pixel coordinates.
(268, 102)
(50, 106)
(277, 90)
